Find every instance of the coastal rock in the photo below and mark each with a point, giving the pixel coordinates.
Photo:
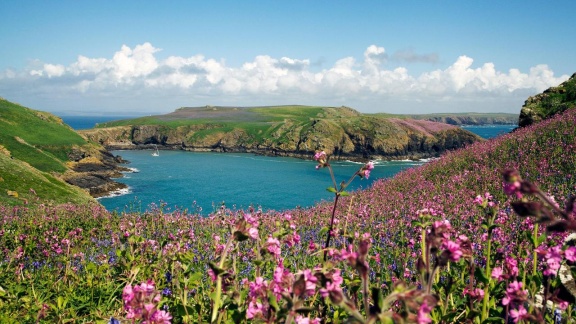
(552, 101)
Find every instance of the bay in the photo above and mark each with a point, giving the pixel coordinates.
(201, 182)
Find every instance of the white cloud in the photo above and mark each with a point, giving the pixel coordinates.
(137, 74)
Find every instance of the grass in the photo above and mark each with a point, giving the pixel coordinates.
(30, 184)
(46, 149)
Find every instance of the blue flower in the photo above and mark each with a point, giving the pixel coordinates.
(113, 321)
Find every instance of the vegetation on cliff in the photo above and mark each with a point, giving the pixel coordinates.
(40, 156)
(552, 101)
(285, 130)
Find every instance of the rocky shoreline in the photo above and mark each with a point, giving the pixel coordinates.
(95, 174)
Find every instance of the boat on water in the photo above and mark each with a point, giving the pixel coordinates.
(156, 152)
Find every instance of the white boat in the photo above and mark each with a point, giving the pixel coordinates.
(156, 152)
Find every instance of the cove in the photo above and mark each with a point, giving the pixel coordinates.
(201, 182)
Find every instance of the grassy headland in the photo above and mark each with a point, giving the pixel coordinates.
(284, 130)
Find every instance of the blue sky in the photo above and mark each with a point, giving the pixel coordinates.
(150, 57)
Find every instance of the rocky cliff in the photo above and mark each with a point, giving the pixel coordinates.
(549, 103)
(341, 132)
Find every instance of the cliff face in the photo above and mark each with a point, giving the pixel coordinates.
(552, 101)
(340, 133)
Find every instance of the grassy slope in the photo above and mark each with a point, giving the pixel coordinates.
(35, 144)
(19, 177)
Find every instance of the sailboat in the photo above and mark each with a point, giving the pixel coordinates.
(156, 152)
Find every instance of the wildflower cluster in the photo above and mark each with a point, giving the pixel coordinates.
(141, 304)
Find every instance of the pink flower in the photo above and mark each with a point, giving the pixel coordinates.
(127, 293)
(253, 233)
(273, 246)
(162, 317)
(478, 200)
(570, 254)
(514, 294)
(423, 312)
(497, 273)
(321, 158)
(518, 314)
(454, 250)
(553, 260)
(254, 308)
(310, 280)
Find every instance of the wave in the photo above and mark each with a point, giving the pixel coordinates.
(116, 193)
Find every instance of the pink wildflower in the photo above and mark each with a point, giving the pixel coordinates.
(454, 250)
(423, 312)
(570, 254)
(254, 309)
(514, 294)
(273, 246)
(518, 314)
(553, 260)
(253, 233)
(322, 159)
(497, 273)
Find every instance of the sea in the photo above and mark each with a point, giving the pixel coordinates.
(203, 182)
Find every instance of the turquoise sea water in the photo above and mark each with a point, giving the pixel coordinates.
(202, 181)
(192, 179)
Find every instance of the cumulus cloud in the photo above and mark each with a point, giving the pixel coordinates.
(137, 75)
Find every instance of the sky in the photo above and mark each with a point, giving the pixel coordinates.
(143, 57)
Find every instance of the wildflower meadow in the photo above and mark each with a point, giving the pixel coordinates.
(480, 235)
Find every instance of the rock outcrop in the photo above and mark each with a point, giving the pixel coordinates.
(552, 101)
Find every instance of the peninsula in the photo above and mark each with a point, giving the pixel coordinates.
(296, 131)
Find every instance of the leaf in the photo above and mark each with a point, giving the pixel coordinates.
(217, 270)
(323, 231)
(184, 310)
(272, 301)
(240, 236)
(344, 194)
(331, 189)
(479, 275)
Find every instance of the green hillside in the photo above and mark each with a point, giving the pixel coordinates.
(34, 149)
(39, 138)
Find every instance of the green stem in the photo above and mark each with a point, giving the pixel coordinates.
(218, 292)
(535, 257)
(331, 225)
(488, 273)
